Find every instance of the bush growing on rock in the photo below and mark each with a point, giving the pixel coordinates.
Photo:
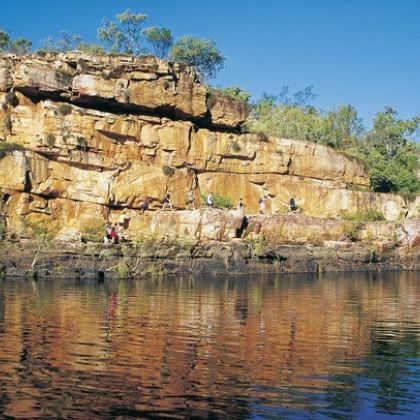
(202, 54)
(6, 148)
(168, 171)
(19, 46)
(220, 201)
(371, 215)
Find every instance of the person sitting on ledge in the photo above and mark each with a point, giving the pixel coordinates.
(167, 202)
(294, 208)
(145, 204)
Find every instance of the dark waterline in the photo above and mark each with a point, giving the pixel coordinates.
(337, 346)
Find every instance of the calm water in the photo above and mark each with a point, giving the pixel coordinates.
(340, 346)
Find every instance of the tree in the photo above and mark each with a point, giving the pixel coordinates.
(123, 35)
(393, 156)
(20, 46)
(160, 39)
(66, 42)
(344, 125)
(199, 53)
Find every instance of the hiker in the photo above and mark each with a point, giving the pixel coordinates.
(210, 200)
(191, 199)
(167, 202)
(107, 236)
(293, 206)
(145, 204)
(241, 205)
(261, 204)
(114, 234)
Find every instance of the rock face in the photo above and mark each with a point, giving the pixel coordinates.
(100, 134)
(125, 83)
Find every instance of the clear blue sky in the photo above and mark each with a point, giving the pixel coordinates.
(360, 52)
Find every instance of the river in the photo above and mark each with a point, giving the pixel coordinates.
(267, 346)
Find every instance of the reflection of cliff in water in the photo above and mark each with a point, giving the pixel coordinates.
(227, 345)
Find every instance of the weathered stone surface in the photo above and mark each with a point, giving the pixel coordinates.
(102, 133)
(142, 84)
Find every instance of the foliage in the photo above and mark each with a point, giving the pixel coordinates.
(352, 232)
(6, 148)
(63, 43)
(371, 215)
(220, 201)
(11, 98)
(160, 39)
(233, 92)
(124, 35)
(393, 156)
(50, 140)
(64, 109)
(199, 53)
(387, 151)
(93, 231)
(257, 246)
(66, 42)
(19, 46)
(168, 171)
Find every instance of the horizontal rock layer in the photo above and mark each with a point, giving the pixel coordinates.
(125, 83)
(100, 134)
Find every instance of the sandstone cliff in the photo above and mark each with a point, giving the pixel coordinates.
(99, 134)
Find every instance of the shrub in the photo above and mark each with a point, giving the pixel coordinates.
(6, 148)
(235, 93)
(168, 171)
(257, 246)
(199, 53)
(64, 109)
(93, 231)
(63, 77)
(11, 99)
(351, 232)
(82, 143)
(123, 270)
(7, 124)
(50, 140)
(220, 201)
(236, 147)
(360, 216)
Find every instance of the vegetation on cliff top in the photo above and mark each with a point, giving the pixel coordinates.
(389, 149)
(126, 35)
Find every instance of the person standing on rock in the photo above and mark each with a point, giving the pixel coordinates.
(167, 202)
(241, 205)
(210, 200)
(145, 204)
(293, 205)
(191, 199)
(261, 204)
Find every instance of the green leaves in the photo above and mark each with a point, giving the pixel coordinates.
(123, 35)
(160, 39)
(20, 46)
(199, 53)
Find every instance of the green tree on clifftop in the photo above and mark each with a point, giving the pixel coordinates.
(160, 39)
(124, 35)
(19, 46)
(199, 53)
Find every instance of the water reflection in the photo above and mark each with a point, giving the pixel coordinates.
(340, 345)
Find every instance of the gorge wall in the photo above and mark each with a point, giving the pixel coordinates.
(99, 134)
